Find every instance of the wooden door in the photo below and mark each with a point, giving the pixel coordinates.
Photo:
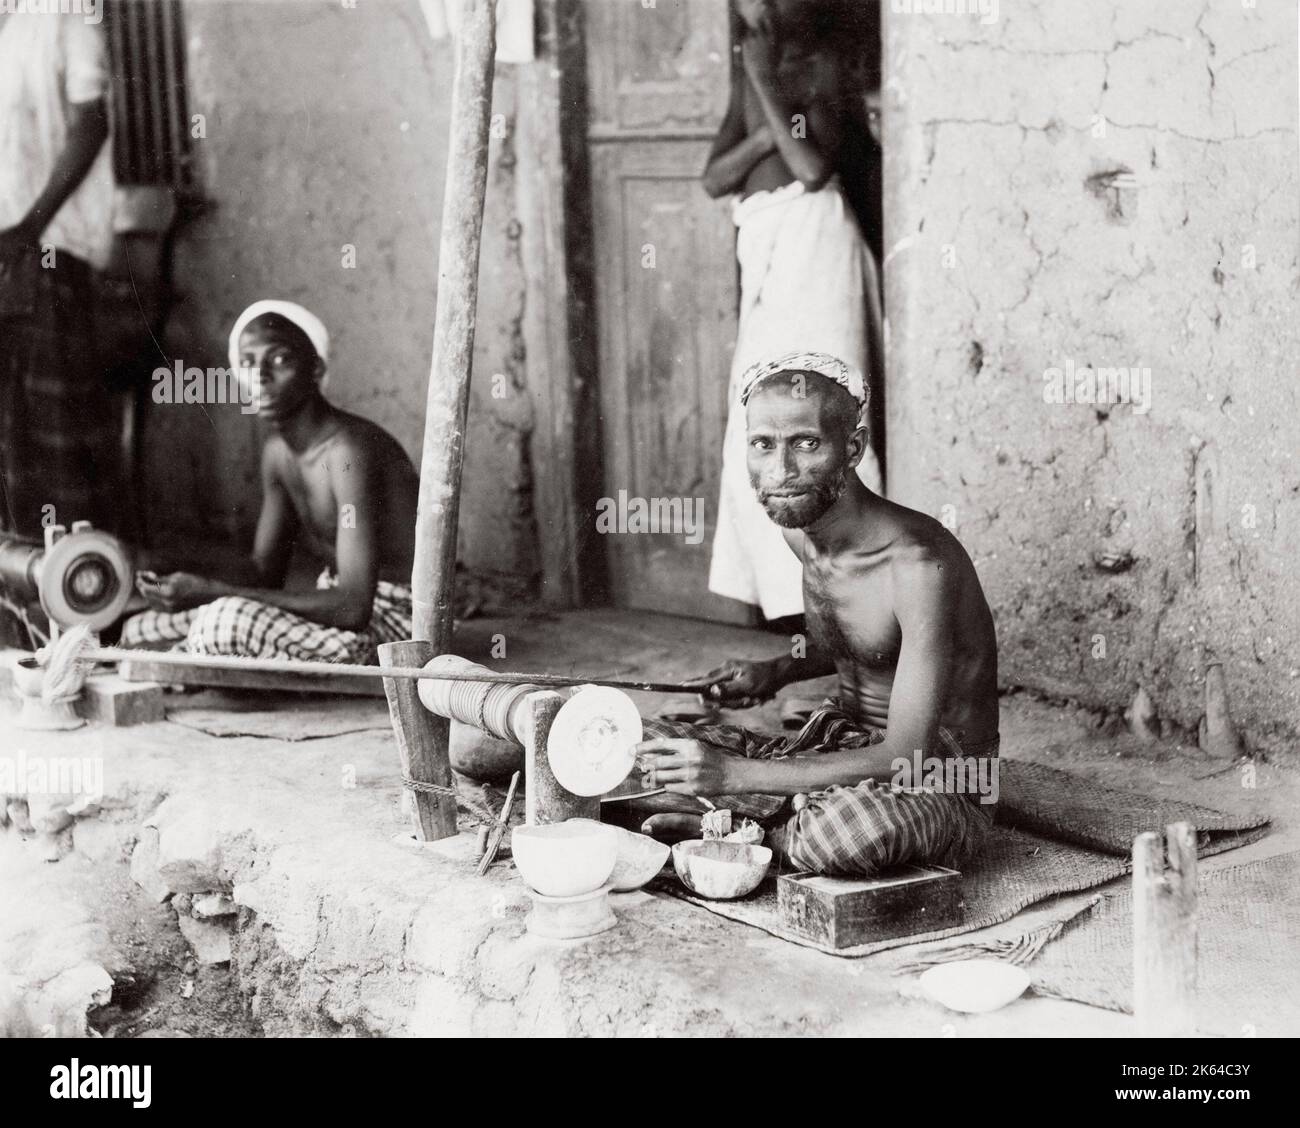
(666, 290)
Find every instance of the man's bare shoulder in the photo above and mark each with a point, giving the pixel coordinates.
(923, 554)
(368, 439)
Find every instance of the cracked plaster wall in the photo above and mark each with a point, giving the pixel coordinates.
(328, 126)
(1108, 184)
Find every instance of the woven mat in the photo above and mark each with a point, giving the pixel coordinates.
(1248, 935)
(1057, 833)
(291, 717)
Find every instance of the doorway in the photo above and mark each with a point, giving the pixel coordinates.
(666, 292)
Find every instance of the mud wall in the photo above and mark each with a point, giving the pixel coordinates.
(1113, 185)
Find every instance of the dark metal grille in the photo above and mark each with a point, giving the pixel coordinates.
(151, 126)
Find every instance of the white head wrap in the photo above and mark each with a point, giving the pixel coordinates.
(307, 321)
(823, 364)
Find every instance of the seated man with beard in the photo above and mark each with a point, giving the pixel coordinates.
(894, 607)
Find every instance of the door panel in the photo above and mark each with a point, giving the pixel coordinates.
(665, 286)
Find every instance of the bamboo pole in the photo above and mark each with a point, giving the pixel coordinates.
(423, 739)
(447, 405)
(1164, 932)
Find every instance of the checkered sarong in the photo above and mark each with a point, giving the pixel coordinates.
(252, 629)
(58, 433)
(851, 831)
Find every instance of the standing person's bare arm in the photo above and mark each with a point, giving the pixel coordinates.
(736, 150)
(806, 136)
(87, 132)
(355, 479)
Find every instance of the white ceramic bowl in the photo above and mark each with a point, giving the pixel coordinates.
(565, 859)
(721, 871)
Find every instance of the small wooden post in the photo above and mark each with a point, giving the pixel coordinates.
(422, 741)
(546, 800)
(1164, 932)
(447, 403)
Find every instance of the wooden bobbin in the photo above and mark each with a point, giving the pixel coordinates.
(1164, 932)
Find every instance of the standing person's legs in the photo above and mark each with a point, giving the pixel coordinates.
(59, 429)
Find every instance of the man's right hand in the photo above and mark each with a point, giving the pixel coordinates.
(741, 684)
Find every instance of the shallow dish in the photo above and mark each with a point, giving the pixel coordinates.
(974, 986)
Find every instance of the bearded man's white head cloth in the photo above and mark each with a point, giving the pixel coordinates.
(823, 364)
(304, 319)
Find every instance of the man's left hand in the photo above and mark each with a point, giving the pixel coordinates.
(687, 767)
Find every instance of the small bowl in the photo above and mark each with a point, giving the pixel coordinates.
(721, 871)
(565, 859)
(640, 857)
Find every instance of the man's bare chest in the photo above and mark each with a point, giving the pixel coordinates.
(312, 495)
(852, 617)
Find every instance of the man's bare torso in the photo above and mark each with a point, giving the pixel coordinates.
(850, 599)
(812, 77)
(311, 479)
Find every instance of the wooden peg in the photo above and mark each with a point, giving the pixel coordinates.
(422, 742)
(1164, 932)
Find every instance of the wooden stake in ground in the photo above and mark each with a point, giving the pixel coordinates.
(1164, 932)
(447, 405)
(423, 738)
(422, 741)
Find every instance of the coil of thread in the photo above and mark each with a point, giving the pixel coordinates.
(485, 705)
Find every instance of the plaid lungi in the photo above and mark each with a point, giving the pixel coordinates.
(252, 629)
(58, 430)
(859, 830)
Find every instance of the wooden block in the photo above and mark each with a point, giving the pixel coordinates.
(111, 699)
(840, 912)
(142, 669)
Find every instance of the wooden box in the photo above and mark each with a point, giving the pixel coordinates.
(839, 912)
